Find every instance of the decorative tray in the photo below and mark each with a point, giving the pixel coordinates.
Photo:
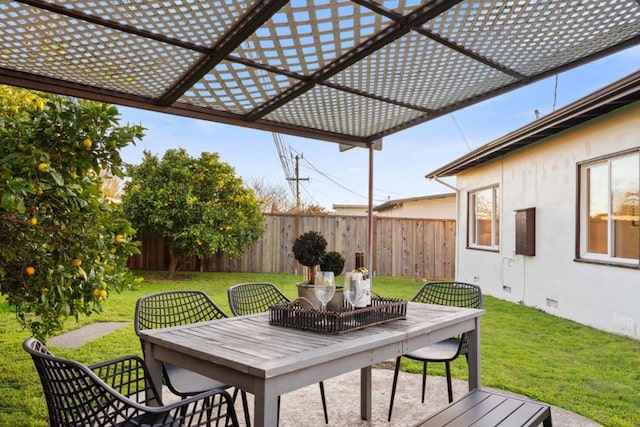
(300, 314)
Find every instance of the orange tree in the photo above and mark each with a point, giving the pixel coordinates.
(63, 246)
(197, 204)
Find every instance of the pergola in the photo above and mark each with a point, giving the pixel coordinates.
(347, 71)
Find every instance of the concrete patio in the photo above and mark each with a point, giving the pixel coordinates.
(304, 408)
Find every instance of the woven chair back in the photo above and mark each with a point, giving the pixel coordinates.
(175, 308)
(455, 294)
(255, 297)
(76, 395)
(119, 392)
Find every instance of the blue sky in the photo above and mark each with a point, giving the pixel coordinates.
(406, 157)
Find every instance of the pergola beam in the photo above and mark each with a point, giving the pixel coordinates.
(72, 13)
(383, 38)
(261, 12)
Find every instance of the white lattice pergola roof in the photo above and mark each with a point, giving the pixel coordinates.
(349, 71)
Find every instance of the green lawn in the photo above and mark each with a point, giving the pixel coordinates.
(524, 350)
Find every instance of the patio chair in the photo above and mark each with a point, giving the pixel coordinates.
(455, 294)
(119, 392)
(176, 308)
(257, 297)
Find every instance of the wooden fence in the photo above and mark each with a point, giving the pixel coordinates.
(408, 247)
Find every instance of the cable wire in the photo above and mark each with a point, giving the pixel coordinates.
(287, 167)
(460, 130)
(555, 94)
(333, 181)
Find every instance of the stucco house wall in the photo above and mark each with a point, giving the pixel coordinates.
(440, 206)
(544, 175)
(356, 210)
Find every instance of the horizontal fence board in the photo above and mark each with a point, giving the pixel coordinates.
(407, 247)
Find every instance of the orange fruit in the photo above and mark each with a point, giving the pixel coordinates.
(102, 293)
(118, 238)
(95, 292)
(30, 271)
(87, 143)
(42, 167)
(76, 262)
(32, 221)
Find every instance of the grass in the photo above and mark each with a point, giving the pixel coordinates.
(524, 350)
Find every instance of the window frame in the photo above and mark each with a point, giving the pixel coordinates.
(582, 251)
(472, 234)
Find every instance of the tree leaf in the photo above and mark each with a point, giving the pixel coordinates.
(57, 177)
(8, 199)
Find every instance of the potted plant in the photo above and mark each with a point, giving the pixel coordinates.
(309, 249)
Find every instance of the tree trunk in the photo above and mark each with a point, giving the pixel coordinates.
(174, 260)
(311, 273)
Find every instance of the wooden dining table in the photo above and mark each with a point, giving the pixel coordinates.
(267, 360)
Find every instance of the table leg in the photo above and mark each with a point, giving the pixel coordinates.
(474, 356)
(154, 367)
(365, 393)
(266, 407)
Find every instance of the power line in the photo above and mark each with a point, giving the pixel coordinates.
(286, 153)
(460, 130)
(555, 94)
(297, 179)
(284, 161)
(291, 176)
(333, 181)
(330, 179)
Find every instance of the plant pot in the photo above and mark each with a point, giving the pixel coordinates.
(305, 290)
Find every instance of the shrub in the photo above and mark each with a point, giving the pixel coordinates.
(309, 248)
(332, 261)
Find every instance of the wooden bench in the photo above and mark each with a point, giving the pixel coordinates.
(481, 408)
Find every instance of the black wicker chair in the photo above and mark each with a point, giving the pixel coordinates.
(175, 308)
(257, 297)
(455, 294)
(119, 393)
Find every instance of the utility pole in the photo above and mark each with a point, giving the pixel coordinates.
(297, 179)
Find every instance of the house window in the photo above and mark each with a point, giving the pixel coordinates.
(484, 218)
(610, 209)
